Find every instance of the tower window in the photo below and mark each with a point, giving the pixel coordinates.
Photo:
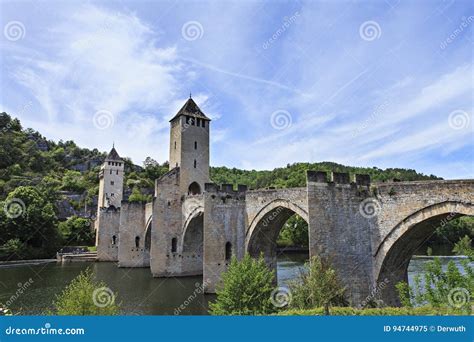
(114, 240)
(137, 241)
(117, 172)
(195, 163)
(228, 251)
(109, 163)
(175, 145)
(174, 245)
(187, 119)
(198, 122)
(195, 145)
(192, 121)
(110, 171)
(112, 182)
(203, 123)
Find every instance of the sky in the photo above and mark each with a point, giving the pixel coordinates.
(362, 83)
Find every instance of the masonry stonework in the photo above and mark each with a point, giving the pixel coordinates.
(367, 231)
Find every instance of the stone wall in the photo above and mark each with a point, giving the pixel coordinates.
(132, 251)
(107, 234)
(338, 232)
(224, 222)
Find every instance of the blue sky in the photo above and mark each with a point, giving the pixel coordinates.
(369, 83)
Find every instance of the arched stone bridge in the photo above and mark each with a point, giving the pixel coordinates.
(368, 232)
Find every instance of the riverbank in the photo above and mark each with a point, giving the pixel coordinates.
(19, 263)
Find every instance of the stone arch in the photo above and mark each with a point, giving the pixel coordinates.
(194, 189)
(263, 230)
(192, 239)
(394, 253)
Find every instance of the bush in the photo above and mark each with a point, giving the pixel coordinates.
(246, 289)
(387, 311)
(450, 289)
(137, 196)
(77, 231)
(318, 286)
(84, 296)
(463, 247)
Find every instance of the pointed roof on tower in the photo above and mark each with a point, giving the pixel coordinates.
(190, 108)
(113, 155)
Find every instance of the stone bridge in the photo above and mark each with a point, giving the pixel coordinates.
(368, 231)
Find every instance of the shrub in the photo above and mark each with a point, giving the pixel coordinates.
(77, 231)
(319, 286)
(386, 311)
(84, 296)
(450, 289)
(246, 289)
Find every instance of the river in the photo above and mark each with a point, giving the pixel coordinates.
(138, 292)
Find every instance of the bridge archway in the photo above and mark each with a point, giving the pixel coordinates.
(264, 229)
(192, 243)
(393, 255)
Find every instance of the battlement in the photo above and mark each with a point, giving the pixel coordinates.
(337, 178)
(227, 188)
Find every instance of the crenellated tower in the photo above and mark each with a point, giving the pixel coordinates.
(108, 208)
(189, 147)
(111, 181)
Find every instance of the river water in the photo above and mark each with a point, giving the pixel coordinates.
(138, 292)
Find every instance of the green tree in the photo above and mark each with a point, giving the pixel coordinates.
(246, 289)
(440, 288)
(464, 247)
(73, 181)
(294, 232)
(137, 196)
(29, 217)
(77, 231)
(318, 286)
(85, 296)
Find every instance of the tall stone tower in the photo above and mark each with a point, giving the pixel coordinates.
(189, 147)
(111, 181)
(108, 212)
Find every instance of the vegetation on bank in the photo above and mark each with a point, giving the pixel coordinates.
(86, 296)
(248, 288)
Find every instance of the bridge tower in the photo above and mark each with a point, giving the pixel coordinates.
(108, 208)
(111, 181)
(189, 147)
